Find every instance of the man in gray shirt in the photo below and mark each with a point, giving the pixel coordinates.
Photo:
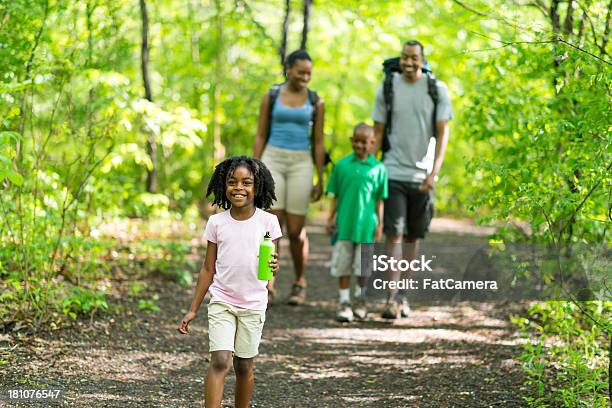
(413, 160)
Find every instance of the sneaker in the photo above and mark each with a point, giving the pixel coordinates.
(298, 295)
(404, 308)
(344, 314)
(360, 310)
(391, 311)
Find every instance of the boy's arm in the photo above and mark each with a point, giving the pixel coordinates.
(331, 220)
(205, 279)
(379, 226)
(379, 130)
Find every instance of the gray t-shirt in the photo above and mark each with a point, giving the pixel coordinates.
(412, 147)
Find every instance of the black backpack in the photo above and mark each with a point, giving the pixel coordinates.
(391, 65)
(314, 101)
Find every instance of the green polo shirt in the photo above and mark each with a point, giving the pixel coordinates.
(357, 186)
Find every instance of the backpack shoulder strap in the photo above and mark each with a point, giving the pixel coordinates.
(273, 93)
(432, 90)
(388, 98)
(313, 97)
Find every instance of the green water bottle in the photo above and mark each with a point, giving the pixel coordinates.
(264, 272)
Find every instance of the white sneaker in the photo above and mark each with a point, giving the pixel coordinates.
(360, 310)
(345, 313)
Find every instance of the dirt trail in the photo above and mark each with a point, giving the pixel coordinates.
(441, 356)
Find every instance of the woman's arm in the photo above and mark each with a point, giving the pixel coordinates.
(205, 279)
(319, 149)
(262, 127)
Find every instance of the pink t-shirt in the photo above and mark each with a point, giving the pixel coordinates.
(235, 279)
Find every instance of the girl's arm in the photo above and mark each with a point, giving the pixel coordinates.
(205, 278)
(274, 265)
(319, 150)
(262, 127)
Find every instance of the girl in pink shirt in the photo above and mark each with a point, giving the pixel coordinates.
(237, 310)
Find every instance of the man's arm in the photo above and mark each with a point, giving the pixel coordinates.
(379, 130)
(442, 131)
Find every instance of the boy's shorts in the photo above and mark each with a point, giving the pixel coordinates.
(408, 211)
(235, 329)
(346, 257)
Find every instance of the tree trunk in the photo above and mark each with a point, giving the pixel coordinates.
(307, 4)
(283, 45)
(22, 110)
(568, 26)
(144, 59)
(218, 148)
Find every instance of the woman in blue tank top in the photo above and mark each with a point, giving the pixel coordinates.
(284, 141)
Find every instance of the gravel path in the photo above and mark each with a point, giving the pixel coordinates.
(461, 355)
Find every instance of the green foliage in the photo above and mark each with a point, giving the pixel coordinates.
(530, 140)
(148, 305)
(168, 259)
(83, 302)
(567, 366)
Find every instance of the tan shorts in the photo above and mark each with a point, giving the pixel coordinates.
(292, 171)
(234, 329)
(346, 258)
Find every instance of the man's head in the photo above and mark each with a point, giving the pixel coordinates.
(412, 60)
(362, 140)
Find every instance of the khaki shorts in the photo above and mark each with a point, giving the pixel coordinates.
(346, 258)
(234, 329)
(292, 171)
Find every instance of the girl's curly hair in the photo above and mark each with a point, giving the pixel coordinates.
(264, 183)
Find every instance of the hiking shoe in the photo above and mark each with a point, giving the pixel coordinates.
(298, 295)
(271, 296)
(344, 314)
(360, 310)
(392, 310)
(404, 308)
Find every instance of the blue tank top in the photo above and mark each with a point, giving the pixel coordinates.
(290, 126)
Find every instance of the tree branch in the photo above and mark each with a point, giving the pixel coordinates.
(256, 23)
(470, 9)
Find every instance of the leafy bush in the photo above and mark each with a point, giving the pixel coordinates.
(567, 366)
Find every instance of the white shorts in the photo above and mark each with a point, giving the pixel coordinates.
(346, 257)
(292, 171)
(235, 329)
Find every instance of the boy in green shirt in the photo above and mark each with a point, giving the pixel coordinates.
(359, 185)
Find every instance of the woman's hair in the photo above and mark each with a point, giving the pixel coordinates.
(264, 183)
(295, 56)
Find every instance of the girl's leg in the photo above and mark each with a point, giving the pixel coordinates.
(282, 220)
(298, 244)
(220, 363)
(244, 381)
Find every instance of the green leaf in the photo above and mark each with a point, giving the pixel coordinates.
(15, 177)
